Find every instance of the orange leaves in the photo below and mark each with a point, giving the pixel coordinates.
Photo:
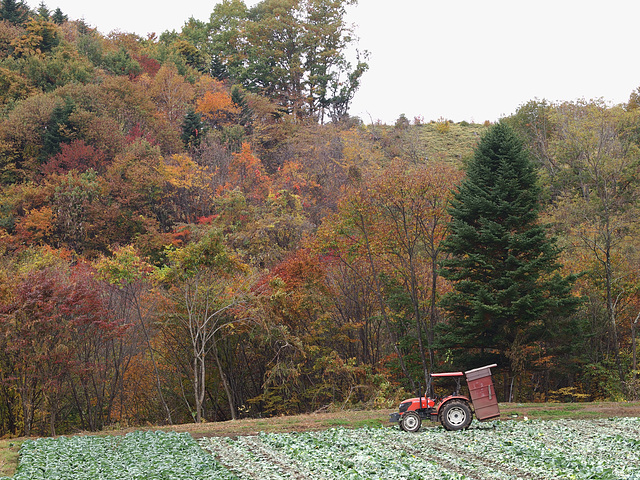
(36, 226)
(401, 205)
(215, 103)
(247, 172)
(395, 221)
(292, 176)
(296, 289)
(217, 107)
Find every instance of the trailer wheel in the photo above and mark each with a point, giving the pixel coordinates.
(455, 415)
(411, 422)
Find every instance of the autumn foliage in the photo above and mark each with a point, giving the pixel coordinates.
(192, 228)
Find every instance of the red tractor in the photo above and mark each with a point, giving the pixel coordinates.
(454, 411)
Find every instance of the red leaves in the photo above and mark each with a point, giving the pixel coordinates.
(149, 65)
(139, 132)
(76, 156)
(49, 315)
(207, 220)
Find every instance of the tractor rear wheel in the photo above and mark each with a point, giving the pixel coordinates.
(410, 422)
(455, 415)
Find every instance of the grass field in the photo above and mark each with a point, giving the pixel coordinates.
(442, 141)
(298, 440)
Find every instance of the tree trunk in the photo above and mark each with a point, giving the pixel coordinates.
(383, 310)
(634, 326)
(198, 382)
(432, 308)
(27, 400)
(415, 297)
(52, 417)
(153, 360)
(10, 419)
(225, 384)
(611, 312)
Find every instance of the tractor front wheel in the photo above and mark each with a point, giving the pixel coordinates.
(410, 422)
(455, 415)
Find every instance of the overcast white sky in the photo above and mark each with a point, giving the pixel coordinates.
(463, 60)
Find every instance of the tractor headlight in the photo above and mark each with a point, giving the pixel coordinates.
(404, 407)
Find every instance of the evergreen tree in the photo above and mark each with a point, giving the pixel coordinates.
(83, 27)
(57, 131)
(43, 11)
(121, 63)
(192, 129)
(217, 69)
(58, 17)
(503, 263)
(238, 98)
(14, 12)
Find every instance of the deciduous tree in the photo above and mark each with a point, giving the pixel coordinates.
(205, 282)
(128, 277)
(291, 51)
(597, 146)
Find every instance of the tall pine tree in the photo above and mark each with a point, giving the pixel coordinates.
(503, 263)
(16, 12)
(58, 17)
(192, 129)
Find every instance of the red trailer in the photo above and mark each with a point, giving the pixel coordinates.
(454, 411)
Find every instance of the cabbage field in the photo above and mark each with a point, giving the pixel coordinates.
(531, 450)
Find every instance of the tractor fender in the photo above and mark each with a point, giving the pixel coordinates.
(448, 399)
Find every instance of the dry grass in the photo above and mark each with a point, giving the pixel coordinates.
(9, 456)
(430, 141)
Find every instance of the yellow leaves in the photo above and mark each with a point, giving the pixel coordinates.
(171, 92)
(357, 150)
(443, 125)
(13, 86)
(123, 268)
(41, 37)
(182, 172)
(39, 258)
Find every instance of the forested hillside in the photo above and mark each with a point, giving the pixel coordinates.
(193, 227)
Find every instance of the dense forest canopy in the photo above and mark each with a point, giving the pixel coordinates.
(193, 227)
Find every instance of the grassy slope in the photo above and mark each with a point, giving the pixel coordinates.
(454, 144)
(434, 141)
(352, 419)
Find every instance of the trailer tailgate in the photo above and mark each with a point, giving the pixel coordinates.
(482, 392)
